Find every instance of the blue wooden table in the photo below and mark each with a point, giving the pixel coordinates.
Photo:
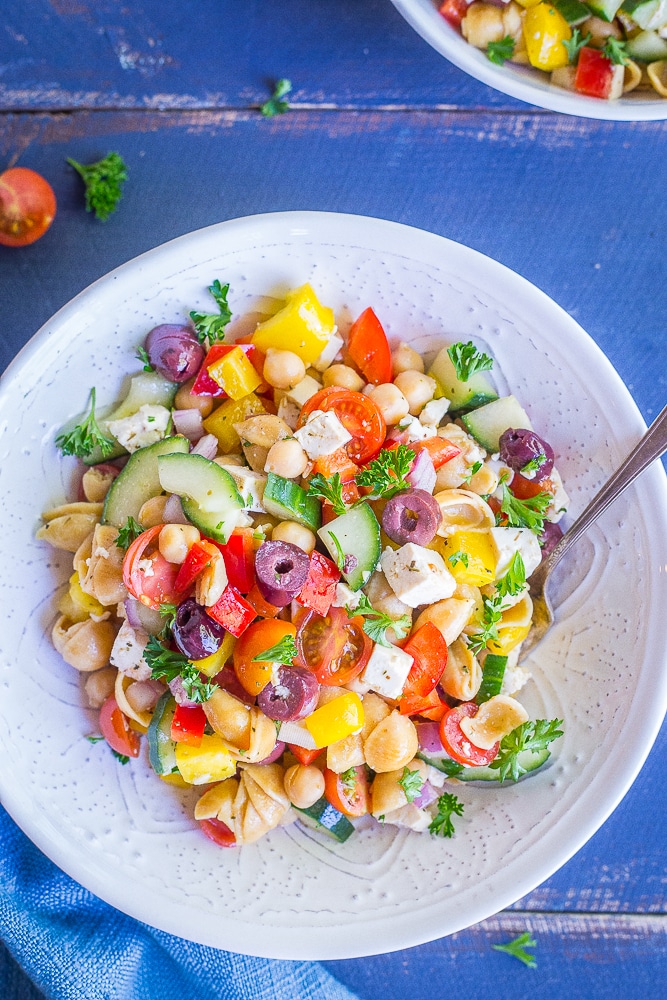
(379, 125)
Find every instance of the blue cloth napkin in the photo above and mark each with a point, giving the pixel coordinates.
(75, 947)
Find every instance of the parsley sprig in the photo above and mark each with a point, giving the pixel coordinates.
(120, 757)
(85, 437)
(211, 326)
(514, 580)
(104, 183)
(330, 490)
(385, 475)
(467, 360)
(500, 52)
(472, 471)
(128, 533)
(574, 45)
(535, 464)
(458, 557)
(142, 355)
(284, 652)
(167, 665)
(349, 780)
(488, 624)
(412, 783)
(517, 949)
(533, 735)
(376, 623)
(614, 50)
(441, 825)
(276, 105)
(529, 513)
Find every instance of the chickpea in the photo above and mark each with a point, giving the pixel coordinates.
(417, 388)
(283, 369)
(304, 785)
(185, 400)
(296, 534)
(152, 512)
(287, 459)
(392, 403)
(100, 685)
(96, 482)
(344, 376)
(174, 541)
(404, 359)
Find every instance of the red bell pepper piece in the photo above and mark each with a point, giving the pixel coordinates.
(368, 347)
(232, 612)
(304, 756)
(428, 649)
(198, 558)
(261, 606)
(204, 385)
(338, 462)
(239, 555)
(595, 73)
(454, 11)
(319, 589)
(440, 449)
(188, 724)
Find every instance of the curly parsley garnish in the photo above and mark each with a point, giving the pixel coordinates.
(330, 490)
(211, 326)
(529, 513)
(534, 736)
(376, 623)
(517, 949)
(142, 355)
(472, 471)
(458, 557)
(385, 475)
(514, 580)
(167, 665)
(284, 652)
(488, 624)
(276, 105)
(85, 437)
(535, 464)
(574, 45)
(467, 360)
(128, 533)
(448, 806)
(120, 757)
(349, 779)
(412, 783)
(104, 183)
(500, 52)
(615, 51)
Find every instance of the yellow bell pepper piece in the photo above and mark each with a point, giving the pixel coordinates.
(235, 374)
(508, 638)
(232, 411)
(334, 721)
(88, 604)
(213, 664)
(303, 326)
(470, 557)
(174, 779)
(210, 761)
(544, 31)
(528, 3)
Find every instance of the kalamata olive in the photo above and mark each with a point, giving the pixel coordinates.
(174, 351)
(526, 452)
(293, 697)
(550, 537)
(281, 570)
(413, 516)
(195, 633)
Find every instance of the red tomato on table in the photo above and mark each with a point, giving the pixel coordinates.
(27, 207)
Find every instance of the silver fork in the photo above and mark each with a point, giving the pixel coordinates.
(651, 446)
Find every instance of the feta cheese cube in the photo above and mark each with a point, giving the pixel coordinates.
(346, 597)
(329, 352)
(433, 412)
(507, 541)
(387, 670)
(417, 575)
(127, 653)
(250, 485)
(561, 500)
(322, 434)
(142, 428)
(289, 411)
(416, 430)
(303, 390)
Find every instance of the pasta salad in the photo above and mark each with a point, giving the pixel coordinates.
(300, 571)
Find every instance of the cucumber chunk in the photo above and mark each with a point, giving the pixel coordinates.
(145, 388)
(287, 500)
(573, 11)
(208, 493)
(530, 760)
(161, 747)
(647, 46)
(464, 396)
(493, 671)
(139, 481)
(489, 422)
(605, 9)
(356, 535)
(647, 14)
(323, 816)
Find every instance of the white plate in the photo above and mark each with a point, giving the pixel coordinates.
(128, 837)
(523, 82)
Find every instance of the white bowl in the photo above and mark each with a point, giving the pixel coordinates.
(130, 838)
(523, 82)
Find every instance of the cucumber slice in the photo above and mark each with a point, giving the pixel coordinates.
(445, 764)
(146, 388)
(488, 423)
(647, 46)
(208, 493)
(287, 500)
(530, 760)
(464, 396)
(647, 14)
(605, 9)
(573, 11)
(355, 534)
(139, 481)
(493, 671)
(323, 816)
(161, 747)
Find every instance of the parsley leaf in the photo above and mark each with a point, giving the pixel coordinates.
(104, 183)
(467, 360)
(330, 490)
(529, 513)
(85, 437)
(128, 533)
(120, 757)
(339, 557)
(142, 355)
(349, 779)
(500, 52)
(535, 464)
(385, 475)
(275, 105)
(517, 949)
(412, 783)
(488, 623)
(533, 736)
(575, 44)
(448, 806)
(212, 325)
(167, 665)
(284, 651)
(376, 623)
(458, 557)
(472, 471)
(168, 613)
(615, 51)
(514, 580)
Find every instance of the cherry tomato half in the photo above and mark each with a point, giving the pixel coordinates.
(147, 574)
(218, 832)
(348, 794)
(27, 207)
(116, 729)
(428, 650)
(358, 414)
(457, 744)
(334, 647)
(368, 347)
(523, 488)
(255, 675)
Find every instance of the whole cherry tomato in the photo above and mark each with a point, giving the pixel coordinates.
(27, 207)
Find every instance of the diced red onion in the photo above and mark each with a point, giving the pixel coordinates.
(143, 696)
(428, 734)
(173, 511)
(178, 691)
(427, 795)
(277, 751)
(422, 474)
(188, 423)
(207, 447)
(140, 616)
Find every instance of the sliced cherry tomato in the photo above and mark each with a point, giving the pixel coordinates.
(349, 795)
(232, 612)
(428, 650)
(116, 729)
(305, 756)
(188, 724)
(457, 744)
(523, 488)
(368, 347)
(198, 558)
(27, 207)
(454, 11)
(147, 575)
(440, 449)
(253, 674)
(358, 414)
(319, 590)
(334, 647)
(218, 832)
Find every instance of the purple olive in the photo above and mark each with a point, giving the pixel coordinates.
(525, 450)
(195, 633)
(281, 570)
(413, 516)
(174, 352)
(293, 697)
(550, 537)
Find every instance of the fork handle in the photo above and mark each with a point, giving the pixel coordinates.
(651, 446)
